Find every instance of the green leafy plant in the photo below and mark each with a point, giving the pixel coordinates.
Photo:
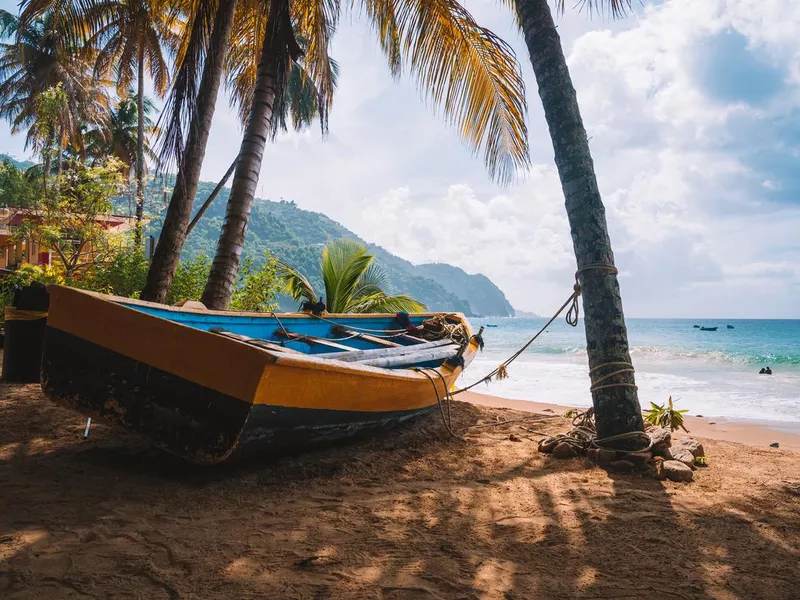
(665, 416)
(353, 282)
(257, 287)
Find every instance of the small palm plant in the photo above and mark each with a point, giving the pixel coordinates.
(353, 282)
(665, 416)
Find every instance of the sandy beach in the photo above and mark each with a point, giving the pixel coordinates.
(413, 514)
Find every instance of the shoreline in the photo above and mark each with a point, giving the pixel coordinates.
(757, 433)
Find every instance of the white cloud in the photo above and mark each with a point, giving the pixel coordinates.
(697, 208)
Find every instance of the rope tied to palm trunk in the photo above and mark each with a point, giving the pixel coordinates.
(583, 436)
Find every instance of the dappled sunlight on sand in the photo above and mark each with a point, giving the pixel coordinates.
(413, 514)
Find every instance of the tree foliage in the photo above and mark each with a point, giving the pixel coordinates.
(70, 219)
(353, 283)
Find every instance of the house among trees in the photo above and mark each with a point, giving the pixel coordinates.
(15, 251)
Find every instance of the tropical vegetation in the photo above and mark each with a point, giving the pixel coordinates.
(352, 282)
(274, 58)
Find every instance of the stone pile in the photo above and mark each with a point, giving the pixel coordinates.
(670, 459)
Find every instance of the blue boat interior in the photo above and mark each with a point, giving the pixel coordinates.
(322, 337)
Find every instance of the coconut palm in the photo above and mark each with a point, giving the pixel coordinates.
(303, 103)
(38, 57)
(353, 282)
(118, 136)
(131, 36)
(469, 73)
(616, 403)
(186, 126)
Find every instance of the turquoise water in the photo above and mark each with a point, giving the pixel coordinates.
(714, 373)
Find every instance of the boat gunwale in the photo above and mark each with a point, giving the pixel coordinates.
(307, 361)
(264, 315)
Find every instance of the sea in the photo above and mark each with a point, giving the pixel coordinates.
(710, 373)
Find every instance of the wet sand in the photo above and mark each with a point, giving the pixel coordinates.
(412, 514)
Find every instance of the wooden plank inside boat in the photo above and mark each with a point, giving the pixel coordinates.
(412, 358)
(359, 355)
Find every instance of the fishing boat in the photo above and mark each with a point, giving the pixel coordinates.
(709, 328)
(731, 327)
(213, 385)
(489, 325)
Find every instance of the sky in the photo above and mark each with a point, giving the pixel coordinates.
(693, 112)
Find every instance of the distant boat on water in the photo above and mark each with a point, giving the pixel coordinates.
(491, 325)
(709, 328)
(696, 326)
(731, 327)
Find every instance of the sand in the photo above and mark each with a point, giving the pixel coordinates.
(414, 514)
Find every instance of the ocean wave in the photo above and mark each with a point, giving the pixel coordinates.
(667, 353)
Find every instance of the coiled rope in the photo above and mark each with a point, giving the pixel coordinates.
(583, 436)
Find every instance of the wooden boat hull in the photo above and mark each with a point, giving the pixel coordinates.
(208, 398)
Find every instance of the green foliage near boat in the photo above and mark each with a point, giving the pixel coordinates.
(124, 275)
(352, 281)
(665, 416)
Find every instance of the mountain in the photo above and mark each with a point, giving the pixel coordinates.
(485, 298)
(527, 315)
(24, 165)
(297, 237)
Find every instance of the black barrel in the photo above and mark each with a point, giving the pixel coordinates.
(25, 324)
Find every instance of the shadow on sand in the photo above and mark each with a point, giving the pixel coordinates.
(414, 514)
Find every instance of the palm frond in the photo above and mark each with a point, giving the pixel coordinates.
(343, 263)
(468, 72)
(295, 284)
(181, 105)
(379, 302)
(372, 281)
(315, 23)
(616, 8)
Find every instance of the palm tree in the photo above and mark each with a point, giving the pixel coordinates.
(468, 72)
(118, 136)
(302, 105)
(200, 64)
(39, 57)
(354, 283)
(131, 36)
(616, 402)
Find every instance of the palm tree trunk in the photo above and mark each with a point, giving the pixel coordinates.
(173, 233)
(140, 151)
(616, 407)
(279, 45)
(60, 157)
(212, 196)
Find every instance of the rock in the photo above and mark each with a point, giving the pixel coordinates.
(677, 471)
(639, 459)
(661, 438)
(605, 457)
(691, 444)
(623, 466)
(699, 416)
(601, 456)
(514, 438)
(564, 450)
(680, 454)
(774, 445)
(547, 445)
